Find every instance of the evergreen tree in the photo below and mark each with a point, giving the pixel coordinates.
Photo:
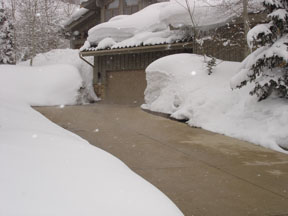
(7, 54)
(267, 66)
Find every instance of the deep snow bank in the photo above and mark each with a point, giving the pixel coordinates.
(46, 170)
(41, 85)
(179, 85)
(70, 57)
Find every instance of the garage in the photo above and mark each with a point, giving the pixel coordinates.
(119, 74)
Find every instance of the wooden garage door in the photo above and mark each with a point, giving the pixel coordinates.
(126, 87)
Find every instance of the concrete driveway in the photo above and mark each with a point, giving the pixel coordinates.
(202, 172)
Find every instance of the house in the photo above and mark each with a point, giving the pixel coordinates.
(93, 12)
(123, 47)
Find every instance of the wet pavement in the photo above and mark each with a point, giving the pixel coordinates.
(202, 172)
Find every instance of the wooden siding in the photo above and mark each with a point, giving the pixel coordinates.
(126, 62)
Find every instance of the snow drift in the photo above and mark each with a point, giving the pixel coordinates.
(70, 57)
(41, 85)
(46, 170)
(179, 85)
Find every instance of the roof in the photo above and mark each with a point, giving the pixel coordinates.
(157, 24)
(152, 26)
(81, 12)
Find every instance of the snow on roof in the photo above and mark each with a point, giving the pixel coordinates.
(156, 24)
(75, 16)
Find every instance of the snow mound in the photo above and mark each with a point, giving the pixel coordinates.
(106, 43)
(179, 85)
(70, 57)
(46, 170)
(41, 85)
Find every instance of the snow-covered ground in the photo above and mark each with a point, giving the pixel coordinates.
(46, 170)
(180, 85)
(69, 57)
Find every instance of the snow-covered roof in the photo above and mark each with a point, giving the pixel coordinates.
(159, 23)
(76, 16)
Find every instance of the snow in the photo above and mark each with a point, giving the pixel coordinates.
(277, 3)
(46, 170)
(279, 48)
(280, 14)
(179, 85)
(252, 35)
(70, 57)
(106, 43)
(75, 16)
(152, 25)
(119, 17)
(41, 85)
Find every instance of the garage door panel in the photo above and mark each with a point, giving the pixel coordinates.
(125, 87)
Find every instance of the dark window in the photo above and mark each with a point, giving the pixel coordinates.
(127, 10)
(108, 15)
(112, 10)
(131, 2)
(131, 6)
(114, 4)
(134, 9)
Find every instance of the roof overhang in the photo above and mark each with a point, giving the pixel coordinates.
(90, 4)
(82, 20)
(93, 4)
(140, 49)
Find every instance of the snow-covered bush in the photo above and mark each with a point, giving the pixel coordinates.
(7, 55)
(210, 64)
(267, 66)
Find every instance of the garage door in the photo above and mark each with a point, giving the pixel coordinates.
(125, 87)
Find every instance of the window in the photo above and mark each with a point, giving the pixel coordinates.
(114, 4)
(116, 7)
(131, 6)
(112, 10)
(131, 2)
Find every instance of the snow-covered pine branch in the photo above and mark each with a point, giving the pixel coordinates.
(267, 66)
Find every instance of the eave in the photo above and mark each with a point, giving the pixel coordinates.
(90, 4)
(140, 49)
(81, 21)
